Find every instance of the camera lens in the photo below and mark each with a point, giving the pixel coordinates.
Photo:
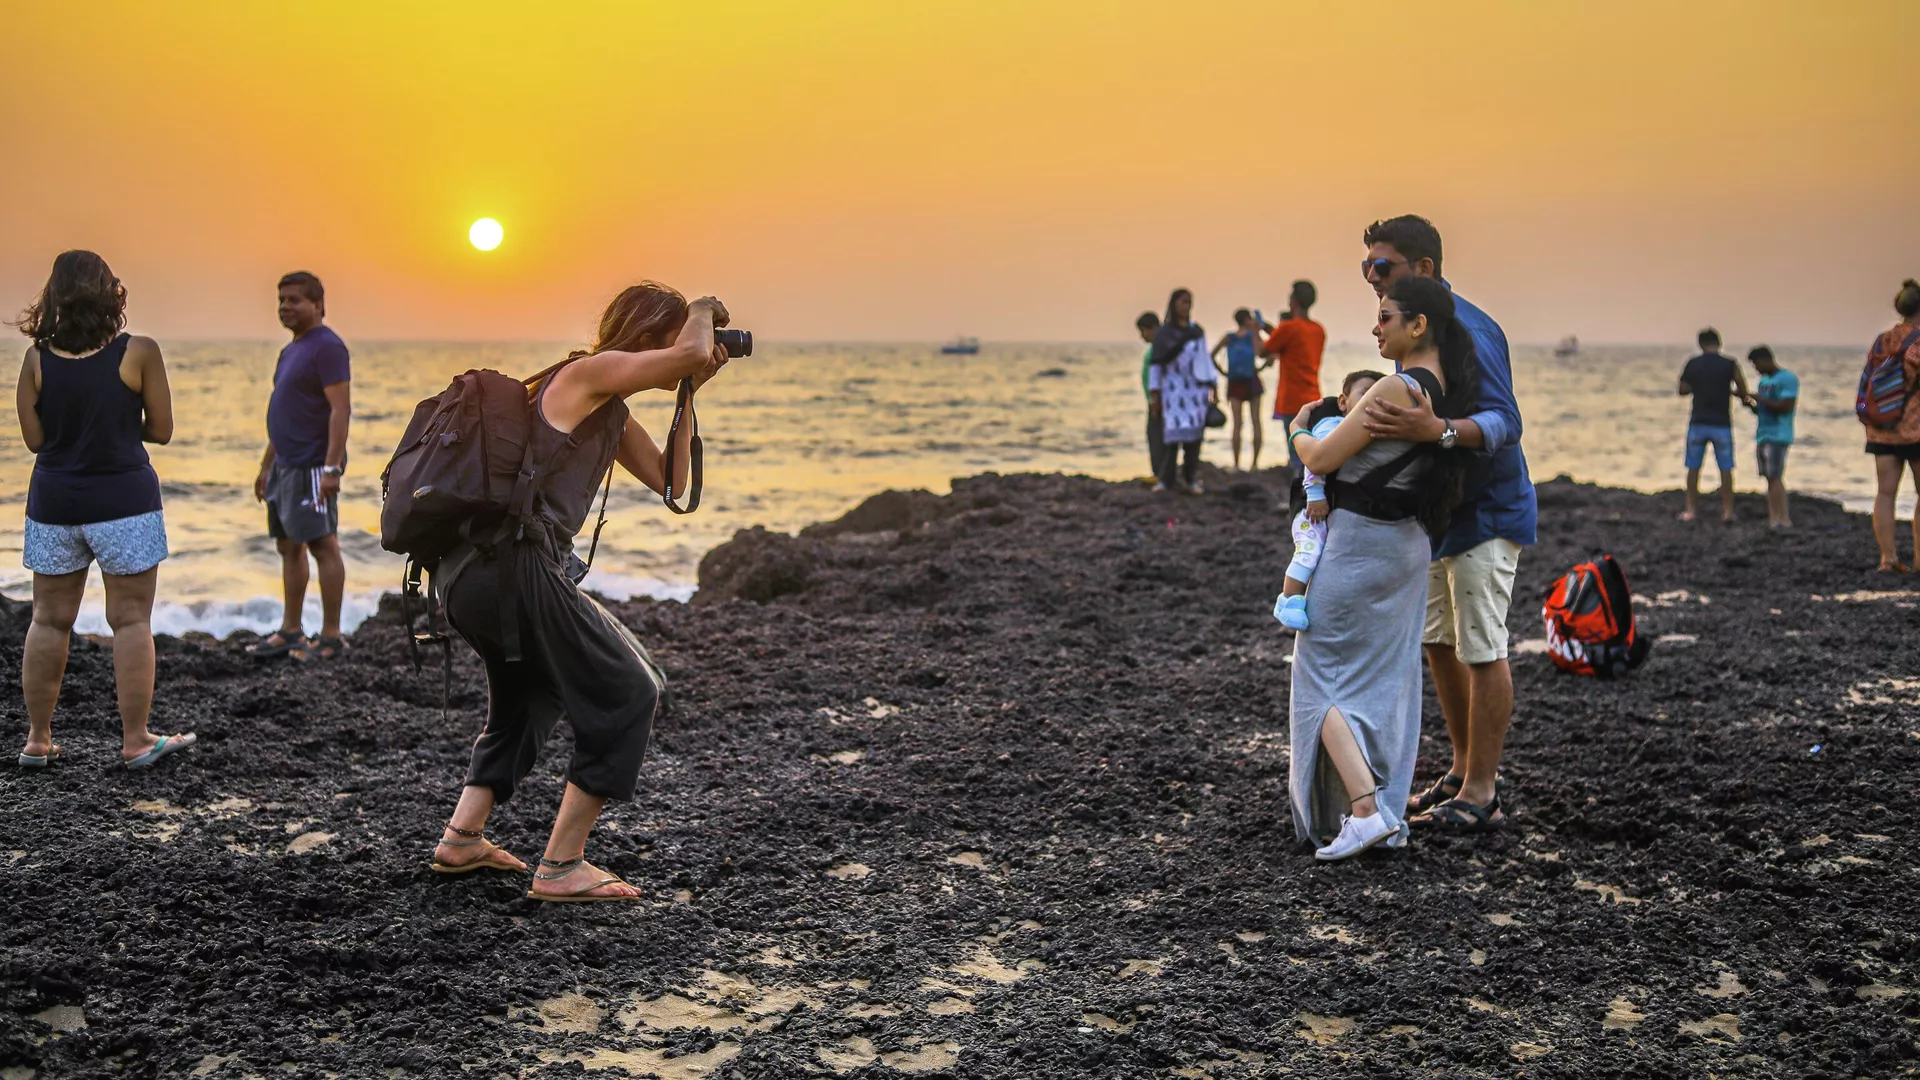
(738, 343)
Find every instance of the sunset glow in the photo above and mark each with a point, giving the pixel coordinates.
(859, 170)
(485, 234)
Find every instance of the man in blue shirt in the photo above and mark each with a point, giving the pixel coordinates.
(1470, 584)
(1774, 401)
(307, 419)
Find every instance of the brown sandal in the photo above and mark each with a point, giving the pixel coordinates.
(583, 896)
(487, 860)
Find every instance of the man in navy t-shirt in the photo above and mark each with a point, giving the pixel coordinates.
(1711, 379)
(300, 472)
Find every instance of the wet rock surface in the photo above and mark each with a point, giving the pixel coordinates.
(993, 785)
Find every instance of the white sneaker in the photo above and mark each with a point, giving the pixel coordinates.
(1357, 834)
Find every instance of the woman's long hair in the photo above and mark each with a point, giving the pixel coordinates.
(1445, 483)
(644, 316)
(82, 308)
(1171, 339)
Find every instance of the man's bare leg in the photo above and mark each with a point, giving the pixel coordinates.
(1726, 495)
(293, 583)
(1693, 495)
(1489, 713)
(578, 812)
(1452, 684)
(333, 582)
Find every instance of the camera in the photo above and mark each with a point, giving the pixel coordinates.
(738, 343)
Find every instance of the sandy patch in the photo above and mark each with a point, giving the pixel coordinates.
(1622, 1014)
(866, 1010)
(1251, 936)
(1609, 893)
(1332, 933)
(651, 1063)
(929, 1058)
(308, 841)
(1478, 958)
(1323, 1030)
(568, 1012)
(850, 871)
(63, 1018)
(1501, 918)
(1724, 1025)
(847, 1054)
(879, 710)
(985, 965)
(1526, 1050)
(1105, 1023)
(1676, 639)
(950, 1006)
(1148, 966)
(1878, 992)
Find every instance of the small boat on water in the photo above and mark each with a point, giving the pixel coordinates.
(961, 346)
(1569, 346)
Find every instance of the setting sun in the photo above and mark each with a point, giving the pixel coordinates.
(486, 234)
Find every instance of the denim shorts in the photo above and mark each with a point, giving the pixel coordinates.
(1699, 435)
(124, 546)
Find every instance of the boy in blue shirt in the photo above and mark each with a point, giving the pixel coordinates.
(1774, 401)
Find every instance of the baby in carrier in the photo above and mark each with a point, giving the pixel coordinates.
(1310, 524)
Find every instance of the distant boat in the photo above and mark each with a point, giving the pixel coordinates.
(1569, 346)
(961, 346)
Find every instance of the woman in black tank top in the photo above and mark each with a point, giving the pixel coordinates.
(90, 396)
(575, 659)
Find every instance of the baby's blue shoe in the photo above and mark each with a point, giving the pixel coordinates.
(1292, 612)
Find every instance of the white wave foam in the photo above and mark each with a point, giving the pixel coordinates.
(623, 587)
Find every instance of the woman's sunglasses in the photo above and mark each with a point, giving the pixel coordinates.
(1388, 316)
(1381, 267)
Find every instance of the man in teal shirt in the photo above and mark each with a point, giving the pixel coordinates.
(1775, 397)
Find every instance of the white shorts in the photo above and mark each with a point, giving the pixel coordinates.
(1467, 600)
(123, 546)
(1309, 540)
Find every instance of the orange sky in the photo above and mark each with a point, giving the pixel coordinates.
(908, 170)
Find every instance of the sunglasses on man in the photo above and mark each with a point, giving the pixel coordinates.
(1369, 268)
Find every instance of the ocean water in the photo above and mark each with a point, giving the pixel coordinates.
(800, 433)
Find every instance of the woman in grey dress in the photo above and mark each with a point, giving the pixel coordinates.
(1356, 674)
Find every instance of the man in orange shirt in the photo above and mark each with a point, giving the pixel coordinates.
(1297, 343)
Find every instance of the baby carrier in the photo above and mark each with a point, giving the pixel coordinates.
(1589, 617)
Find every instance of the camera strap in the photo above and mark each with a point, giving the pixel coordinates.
(683, 414)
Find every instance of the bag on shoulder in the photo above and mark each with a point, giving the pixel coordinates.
(1590, 625)
(464, 471)
(1884, 388)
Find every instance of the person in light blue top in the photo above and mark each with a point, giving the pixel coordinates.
(1774, 401)
(1244, 388)
(1310, 524)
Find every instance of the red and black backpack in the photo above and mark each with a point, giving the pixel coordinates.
(1589, 617)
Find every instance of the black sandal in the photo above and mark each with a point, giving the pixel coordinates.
(1461, 816)
(1443, 789)
(289, 641)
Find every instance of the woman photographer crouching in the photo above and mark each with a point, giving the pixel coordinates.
(577, 660)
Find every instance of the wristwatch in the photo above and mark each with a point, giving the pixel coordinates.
(333, 470)
(1449, 437)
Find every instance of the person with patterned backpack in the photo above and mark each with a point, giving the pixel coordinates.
(1887, 409)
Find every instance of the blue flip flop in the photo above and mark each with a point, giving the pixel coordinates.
(167, 745)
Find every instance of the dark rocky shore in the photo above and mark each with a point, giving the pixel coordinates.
(993, 785)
